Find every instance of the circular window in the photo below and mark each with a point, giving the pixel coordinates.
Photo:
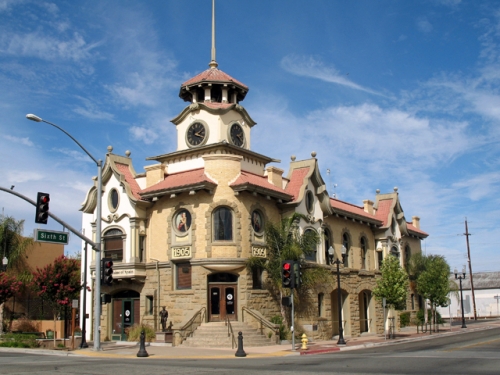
(182, 221)
(113, 199)
(257, 221)
(309, 201)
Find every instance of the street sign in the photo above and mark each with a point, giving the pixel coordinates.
(51, 236)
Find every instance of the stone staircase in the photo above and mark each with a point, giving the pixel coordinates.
(214, 335)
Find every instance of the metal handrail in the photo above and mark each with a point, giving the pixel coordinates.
(230, 332)
(263, 321)
(187, 329)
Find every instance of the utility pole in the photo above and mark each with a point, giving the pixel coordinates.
(467, 234)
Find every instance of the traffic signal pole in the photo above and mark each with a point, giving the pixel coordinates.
(60, 221)
(293, 321)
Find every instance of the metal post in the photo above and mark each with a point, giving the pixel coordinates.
(84, 344)
(97, 284)
(461, 300)
(293, 312)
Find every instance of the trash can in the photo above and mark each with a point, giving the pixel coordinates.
(50, 334)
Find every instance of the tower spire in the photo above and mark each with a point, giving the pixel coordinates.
(213, 64)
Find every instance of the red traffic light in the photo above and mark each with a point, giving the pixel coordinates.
(287, 266)
(108, 264)
(42, 208)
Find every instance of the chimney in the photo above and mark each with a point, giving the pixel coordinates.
(368, 206)
(415, 220)
(275, 176)
(155, 173)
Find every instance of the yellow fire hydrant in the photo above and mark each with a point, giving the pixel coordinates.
(304, 342)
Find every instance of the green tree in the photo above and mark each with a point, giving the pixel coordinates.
(393, 285)
(433, 282)
(285, 242)
(58, 283)
(13, 246)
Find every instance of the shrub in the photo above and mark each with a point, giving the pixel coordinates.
(404, 319)
(282, 329)
(26, 325)
(19, 340)
(420, 316)
(134, 332)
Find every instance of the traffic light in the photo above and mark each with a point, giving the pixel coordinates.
(287, 275)
(297, 273)
(42, 208)
(107, 272)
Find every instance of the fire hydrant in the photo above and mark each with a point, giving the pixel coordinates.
(304, 342)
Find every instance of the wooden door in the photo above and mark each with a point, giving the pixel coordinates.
(222, 302)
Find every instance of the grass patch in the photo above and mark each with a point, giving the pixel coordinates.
(18, 340)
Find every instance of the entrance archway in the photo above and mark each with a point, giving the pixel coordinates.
(126, 312)
(222, 297)
(366, 313)
(344, 300)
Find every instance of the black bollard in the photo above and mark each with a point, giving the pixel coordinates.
(142, 349)
(240, 352)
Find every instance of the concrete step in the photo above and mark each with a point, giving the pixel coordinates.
(215, 334)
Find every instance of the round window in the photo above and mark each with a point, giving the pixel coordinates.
(182, 221)
(113, 199)
(257, 221)
(309, 201)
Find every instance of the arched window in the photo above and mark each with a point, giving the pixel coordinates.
(407, 254)
(394, 251)
(223, 224)
(347, 244)
(327, 242)
(311, 256)
(113, 244)
(364, 250)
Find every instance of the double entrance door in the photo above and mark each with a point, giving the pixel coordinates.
(222, 300)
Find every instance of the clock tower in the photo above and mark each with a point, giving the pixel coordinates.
(214, 114)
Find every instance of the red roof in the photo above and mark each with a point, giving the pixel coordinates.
(177, 180)
(383, 210)
(296, 182)
(414, 229)
(125, 171)
(256, 180)
(350, 208)
(213, 75)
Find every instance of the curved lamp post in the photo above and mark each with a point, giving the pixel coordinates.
(331, 255)
(461, 277)
(97, 284)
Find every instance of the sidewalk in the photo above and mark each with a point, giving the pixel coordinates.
(158, 351)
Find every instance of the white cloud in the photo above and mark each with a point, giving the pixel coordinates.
(43, 46)
(25, 141)
(424, 25)
(146, 135)
(313, 68)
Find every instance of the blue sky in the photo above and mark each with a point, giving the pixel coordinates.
(388, 93)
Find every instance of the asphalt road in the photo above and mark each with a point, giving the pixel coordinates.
(468, 353)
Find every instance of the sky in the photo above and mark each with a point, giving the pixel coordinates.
(387, 93)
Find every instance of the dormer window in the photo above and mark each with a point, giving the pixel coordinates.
(309, 201)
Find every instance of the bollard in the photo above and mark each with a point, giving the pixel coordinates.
(240, 352)
(142, 349)
(304, 342)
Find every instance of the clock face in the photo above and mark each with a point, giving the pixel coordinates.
(196, 134)
(237, 135)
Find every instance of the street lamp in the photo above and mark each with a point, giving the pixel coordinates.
(97, 284)
(461, 277)
(5, 261)
(331, 255)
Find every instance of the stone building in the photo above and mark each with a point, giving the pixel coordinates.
(179, 233)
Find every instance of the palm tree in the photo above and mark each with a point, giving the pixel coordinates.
(13, 247)
(285, 242)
